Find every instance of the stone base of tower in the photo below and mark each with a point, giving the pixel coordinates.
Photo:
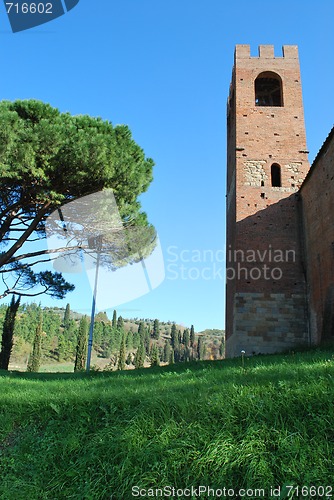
(267, 323)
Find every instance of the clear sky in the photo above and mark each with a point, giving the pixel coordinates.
(164, 68)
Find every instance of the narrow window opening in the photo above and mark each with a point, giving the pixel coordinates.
(276, 175)
(268, 89)
(262, 183)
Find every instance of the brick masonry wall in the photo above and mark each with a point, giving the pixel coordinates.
(317, 198)
(263, 235)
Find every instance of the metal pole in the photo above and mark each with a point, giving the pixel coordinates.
(92, 317)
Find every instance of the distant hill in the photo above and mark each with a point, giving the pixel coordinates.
(59, 342)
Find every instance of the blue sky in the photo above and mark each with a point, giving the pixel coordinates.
(164, 68)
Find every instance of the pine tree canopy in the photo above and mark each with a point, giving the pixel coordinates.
(47, 160)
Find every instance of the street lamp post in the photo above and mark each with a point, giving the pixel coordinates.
(94, 242)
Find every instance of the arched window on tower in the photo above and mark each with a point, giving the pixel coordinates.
(268, 89)
(276, 175)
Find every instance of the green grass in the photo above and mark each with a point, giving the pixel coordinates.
(73, 436)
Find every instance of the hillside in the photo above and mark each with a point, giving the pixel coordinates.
(210, 423)
(59, 340)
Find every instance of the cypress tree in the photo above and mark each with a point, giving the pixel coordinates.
(141, 328)
(200, 348)
(173, 335)
(147, 340)
(176, 343)
(144, 336)
(67, 338)
(179, 334)
(140, 356)
(61, 347)
(120, 323)
(154, 356)
(186, 338)
(81, 350)
(187, 354)
(8, 333)
(67, 316)
(122, 355)
(222, 348)
(35, 357)
(167, 349)
(192, 336)
(114, 320)
(129, 340)
(106, 340)
(136, 340)
(156, 329)
(70, 330)
(177, 354)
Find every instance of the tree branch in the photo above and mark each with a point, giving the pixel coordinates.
(46, 252)
(4, 259)
(13, 292)
(15, 239)
(6, 224)
(26, 266)
(8, 209)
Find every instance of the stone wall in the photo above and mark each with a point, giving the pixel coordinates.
(281, 326)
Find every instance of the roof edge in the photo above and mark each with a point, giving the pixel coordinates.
(319, 155)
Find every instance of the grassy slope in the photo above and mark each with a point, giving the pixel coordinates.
(74, 436)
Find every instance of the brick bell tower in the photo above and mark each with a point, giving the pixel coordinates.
(267, 161)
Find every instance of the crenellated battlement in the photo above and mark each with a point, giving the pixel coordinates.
(266, 52)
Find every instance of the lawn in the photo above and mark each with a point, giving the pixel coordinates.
(211, 424)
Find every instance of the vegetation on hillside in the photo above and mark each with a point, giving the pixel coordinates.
(118, 344)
